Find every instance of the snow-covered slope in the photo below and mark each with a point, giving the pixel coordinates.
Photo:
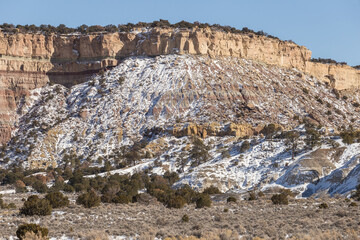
(159, 102)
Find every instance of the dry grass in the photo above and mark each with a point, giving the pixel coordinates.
(301, 219)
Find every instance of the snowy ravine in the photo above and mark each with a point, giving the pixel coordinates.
(144, 99)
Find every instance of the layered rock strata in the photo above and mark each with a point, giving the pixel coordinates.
(28, 61)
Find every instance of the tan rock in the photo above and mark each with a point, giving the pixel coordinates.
(29, 61)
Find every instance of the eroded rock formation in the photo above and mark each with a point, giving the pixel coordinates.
(28, 61)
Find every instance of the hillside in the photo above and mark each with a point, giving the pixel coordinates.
(145, 112)
(30, 60)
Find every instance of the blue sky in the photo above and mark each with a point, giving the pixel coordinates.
(329, 28)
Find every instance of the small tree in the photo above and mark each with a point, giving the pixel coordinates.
(176, 201)
(40, 187)
(292, 138)
(312, 138)
(269, 131)
(211, 190)
(36, 206)
(25, 229)
(199, 152)
(203, 201)
(57, 199)
(89, 199)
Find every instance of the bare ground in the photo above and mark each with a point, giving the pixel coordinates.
(301, 219)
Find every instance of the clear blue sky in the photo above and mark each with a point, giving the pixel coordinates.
(329, 28)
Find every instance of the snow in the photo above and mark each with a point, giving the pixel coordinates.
(88, 119)
(9, 191)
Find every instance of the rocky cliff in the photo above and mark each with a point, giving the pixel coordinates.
(28, 61)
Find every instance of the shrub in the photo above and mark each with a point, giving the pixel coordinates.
(231, 199)
(245, 146)
(57, 199)
(211, 190)
(287, 192)
(2, 204)
(353, 204)
(327, 61)
(323, 206)
(269, 130)
(187, 193)
(89, 199)
(68, 188)
(36, 206)
(121, 80)
(176, 201)
(199, 152)
(41, 232)
(280, 199)
(172, 177)
(348, 137)
(312, 138)
(185, 218)
(252, 196)
(121, 197)
(40, 187)
(356, 194)
(203, 201)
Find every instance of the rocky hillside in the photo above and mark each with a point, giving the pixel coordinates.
(31, 60)
(150, 112)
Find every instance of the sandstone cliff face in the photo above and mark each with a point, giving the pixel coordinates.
(28, 61)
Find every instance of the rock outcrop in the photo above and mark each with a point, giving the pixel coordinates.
(28, 61)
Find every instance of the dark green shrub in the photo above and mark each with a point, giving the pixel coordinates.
(245, 146)
(36, 206)
(185, 218)
(356, 194)
(199, 152)
(203, 201)
(187, 193)
(121, 80)
(323, 206)
(57, 199)
(287, 192)
(11, 206)
(40, 187)
(172, 177)
(2, 204)
(231, 199)
(252, 196)
(269, 130)
(312, 138)
(353, 204)
(36, 229)
(176, 201)
(122, 198)
(211, 190)
(89, 199)
(280, 199)
(68, 188)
